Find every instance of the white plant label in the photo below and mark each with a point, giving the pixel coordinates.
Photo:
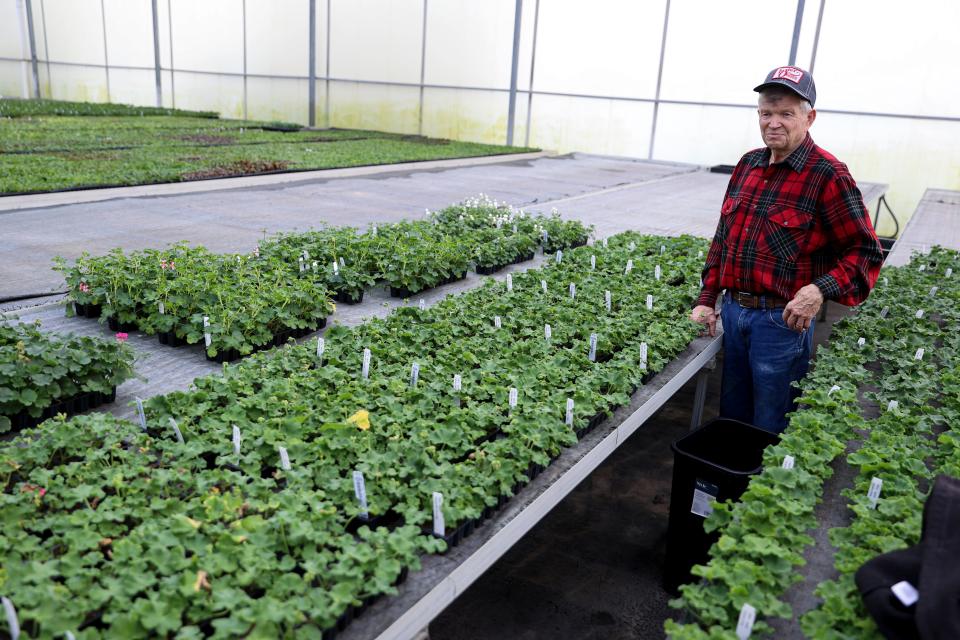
(906, 593)
(632, 246)
(886, 280)
(663, 249)
(873, 493)
(365, 371)
(414, 374)
(496, 322)
(547, 331)
(457, 383)
(573, 291)
(893, 404)
(374, 230)
(67, 634)
(788, 462)
(933, 291)
(643, 355)
(704, 495)
(861, 342)
(236, 440)
(302, 266)
(919, 313)
(336, 268)
(140, 415)
(514, 228)
(607, 300)
(949, 272)
(629, 267)
(593, 262)
(321, 347)
(657, 272)
(12, 622)
(176, 431)
(284, 459)
(306, 256)
(439, 527)
(922, 268)
(360, 490)
(161, 308)
(604, 243)
(207, 339)
(593, 347)
(649, 302)
(835, 387)
(545, 236)
(512, 399)
(559, 256)
(748, 615)
(919, 354)
(569, 417)
(543, 285)
(884, 312)
(343, 262)
(316, 265)
(423, 304)
(699, 254)
(509, 282)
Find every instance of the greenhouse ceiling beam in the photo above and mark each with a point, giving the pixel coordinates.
(156, 54)
(33, 50)
(312, 90)
(512, 108)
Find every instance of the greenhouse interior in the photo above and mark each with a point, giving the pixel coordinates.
(479, 320)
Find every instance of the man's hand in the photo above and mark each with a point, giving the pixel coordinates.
(707, 316)
(803, 308)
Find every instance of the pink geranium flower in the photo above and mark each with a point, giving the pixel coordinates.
(122, 337)
(84, 287)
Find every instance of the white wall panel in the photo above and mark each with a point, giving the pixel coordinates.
(609, 127)
(705, 135)
(206, 92)
(277, 99)
(606, 48)
(12, 24)
(378, 107)
(470, 43)
(719, 51)
(132, 86)
(15, 79)
(207, 35)
(74, 30)
(80, 84)
(129, 33)
(278, 37)
(475, 116)
(377, 39)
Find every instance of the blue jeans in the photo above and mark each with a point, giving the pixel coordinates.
(762, 357)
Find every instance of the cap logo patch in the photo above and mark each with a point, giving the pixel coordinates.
(788, 73)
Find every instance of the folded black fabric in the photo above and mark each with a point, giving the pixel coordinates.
(932, 567)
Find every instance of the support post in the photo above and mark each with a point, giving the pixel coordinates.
(700, 394)
(512, 109)
(156, 54)
(423, 67)
(326, 97)
(33, 50)
(797, 21)
(312, 90)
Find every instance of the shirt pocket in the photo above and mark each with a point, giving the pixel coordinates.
(730, 205)
(787, 231)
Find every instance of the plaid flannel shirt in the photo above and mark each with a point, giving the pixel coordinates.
(786, 225)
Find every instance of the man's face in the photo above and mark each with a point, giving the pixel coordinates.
(783, 123)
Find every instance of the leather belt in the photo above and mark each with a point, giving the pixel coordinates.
(753, 301)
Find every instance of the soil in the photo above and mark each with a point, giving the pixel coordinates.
(239, 168)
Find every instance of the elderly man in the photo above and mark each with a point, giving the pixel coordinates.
(793, 231)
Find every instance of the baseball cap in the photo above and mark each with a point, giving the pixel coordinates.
(793, 78)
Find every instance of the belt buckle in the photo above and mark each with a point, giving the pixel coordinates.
(747, 300)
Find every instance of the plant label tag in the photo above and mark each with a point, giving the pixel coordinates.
(933, 291)
(423, 304)
(547, 332)
(360, 490)
(12, 622)
(176, 431)
(514, 228)
(457, 383)
(513, 398)
(704, 495)
(67, 634)
(919, 313)
(949, 272)
(906, 593)
(650, 302)
(284, 459)
(439, 527)
(593, 348)
(559, 256)
(207, 339)
(629, 267)
(140, 415)
(306, 256)
(302, 266)
(568, 420)
(321, 347)
(886, 280)
(643, 355)
(835, 387)
(919, 354)
(632, 246)
(573, 291)
(414, 374)
(922, 268)
(365, 371)
(787, 462)
(604, 243)
(543, 285)
(657, 272)
(509, 282)
(699, 254)
(607, 300)
(336, 268)
(236, 440)
(343, 262)
(748, 615)
(663, 249)
(496, 322)
(884, 312)
(861, 342)
(545, 236)
(893, 404)
(160, 307)
(873, 493)
(374, 231)
(593, 262)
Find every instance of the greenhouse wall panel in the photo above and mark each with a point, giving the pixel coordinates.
(459, 114)
(207, 92)
(133, 86)
(705, 135)
(12, 28)
(74, 30)
(277, 99)
(80, 84)
(14, 79)
(377, 40)
(207, 36)
(278, 38)
(470, 43)
(129, 33)
(610, 127)
(364, 106)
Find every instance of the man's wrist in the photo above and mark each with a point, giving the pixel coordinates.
(828, 286)
(706, 299)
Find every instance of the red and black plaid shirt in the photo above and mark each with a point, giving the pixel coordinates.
(786, 225)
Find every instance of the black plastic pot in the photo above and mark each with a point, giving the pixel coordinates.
(349, 297)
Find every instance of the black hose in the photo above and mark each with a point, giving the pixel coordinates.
(28, 296)
(883, 203)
